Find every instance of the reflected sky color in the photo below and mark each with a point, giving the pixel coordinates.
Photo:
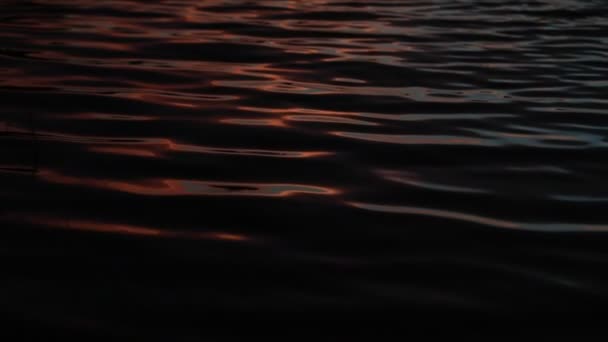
(175, 187)
(125, 229)
(409, 155)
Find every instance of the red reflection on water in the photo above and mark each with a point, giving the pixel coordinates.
(244, 151)
(126, 229)
(100, 45)
(176, 187)
(106, 117)
(123, 150)
(157, 148)
(328, 119)
(297, 110)
(170, 101)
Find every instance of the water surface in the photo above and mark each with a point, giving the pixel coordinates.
(166, 161)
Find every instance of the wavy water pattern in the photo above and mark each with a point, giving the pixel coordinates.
(318, 157)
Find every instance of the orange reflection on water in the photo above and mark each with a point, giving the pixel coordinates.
(244, 151)
(123, 151)
(106, 117)
(156, 147)
(328, 119)
(101, 45)
(392, 117)
(165, 100)
(176, 187)
(126, 229)
(294, 110)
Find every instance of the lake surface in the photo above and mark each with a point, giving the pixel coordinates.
(167, 162)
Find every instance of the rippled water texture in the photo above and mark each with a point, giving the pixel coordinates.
(166, 160)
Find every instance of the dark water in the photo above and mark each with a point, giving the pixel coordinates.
(168, 163)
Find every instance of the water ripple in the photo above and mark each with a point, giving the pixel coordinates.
(406, 155)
